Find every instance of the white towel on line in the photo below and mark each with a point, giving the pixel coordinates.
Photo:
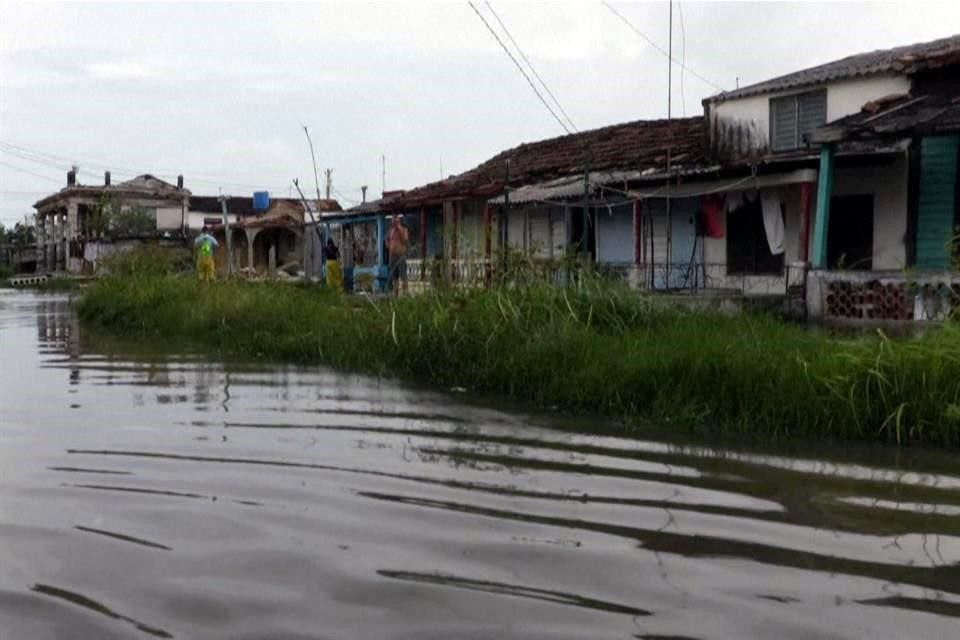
(772, 220)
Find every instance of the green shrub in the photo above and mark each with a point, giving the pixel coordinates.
(592, 349)
(149, 260)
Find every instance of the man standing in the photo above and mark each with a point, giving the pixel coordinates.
(206, 244)
(334, 276)
(397, 241)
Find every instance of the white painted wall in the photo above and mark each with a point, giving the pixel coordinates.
(533, 230)
(558, 231)
(844, 97)
(615, 242)
(195, 219)
(515, 231)
(538, 233)
(888, 184)
(169, 218)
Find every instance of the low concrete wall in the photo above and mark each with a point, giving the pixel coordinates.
(869, 297)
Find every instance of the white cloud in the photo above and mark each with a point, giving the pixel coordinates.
(223, 88)
(117, 70)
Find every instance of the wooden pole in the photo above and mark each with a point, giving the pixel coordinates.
(228, 233)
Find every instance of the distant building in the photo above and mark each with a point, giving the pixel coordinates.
(80, 225)
(70, 220)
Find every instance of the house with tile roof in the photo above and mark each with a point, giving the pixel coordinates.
(725, 201)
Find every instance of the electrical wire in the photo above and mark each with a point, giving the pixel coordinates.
(658, 47)
(523, 56)
(522, 71)
(28, 172)
(59, 162)
(343, 197)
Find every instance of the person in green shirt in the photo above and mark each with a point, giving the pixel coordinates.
(205, 244)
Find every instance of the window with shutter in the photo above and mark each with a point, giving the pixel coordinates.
(813, 111)
(783, 123)
(793, 116)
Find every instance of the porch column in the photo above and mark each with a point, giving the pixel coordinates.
(251, 235)
(455, 241)
(824, 191)
(382, 270)
(423, 233)
(49, 238)
(638, 243)
(71, 230)
(637, 233)
(57, 245)
(487, 243)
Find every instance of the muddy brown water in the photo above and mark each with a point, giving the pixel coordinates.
(150, 493)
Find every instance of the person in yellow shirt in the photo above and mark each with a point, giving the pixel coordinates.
(334, 274)
(205, 244)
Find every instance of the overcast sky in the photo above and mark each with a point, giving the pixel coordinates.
(219, 92)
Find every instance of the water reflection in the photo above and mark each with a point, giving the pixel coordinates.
(224, 499)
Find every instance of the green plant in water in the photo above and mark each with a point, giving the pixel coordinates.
(596, 347)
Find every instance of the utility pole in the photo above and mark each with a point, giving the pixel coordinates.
(585, 219)
(226, 230)
(383, 174)
(329, 174)
(363, 191)
(669, 140)
(505, 219)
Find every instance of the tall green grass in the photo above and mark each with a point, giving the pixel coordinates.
(593, 349)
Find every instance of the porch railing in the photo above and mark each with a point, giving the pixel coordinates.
(695, 277)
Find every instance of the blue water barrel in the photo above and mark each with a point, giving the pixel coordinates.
(261, 200)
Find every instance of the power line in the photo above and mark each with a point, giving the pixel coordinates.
(658, 47)
(58, 161)
(343, 197)
(529, 81)
(523, 56)
(28, 172)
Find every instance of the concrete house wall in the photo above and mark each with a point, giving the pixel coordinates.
(740, 127)
(888, 186)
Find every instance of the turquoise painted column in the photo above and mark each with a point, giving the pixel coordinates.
(824, 191)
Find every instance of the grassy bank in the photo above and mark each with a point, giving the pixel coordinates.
(596, 350)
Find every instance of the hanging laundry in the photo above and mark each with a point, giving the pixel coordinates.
(772, 220)
(734, 201)
(710, 208)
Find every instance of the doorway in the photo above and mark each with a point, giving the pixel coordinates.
(850, 233)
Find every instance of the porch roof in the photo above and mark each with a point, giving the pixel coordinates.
(773, 170)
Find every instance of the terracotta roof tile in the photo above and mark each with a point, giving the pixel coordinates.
(637, 145)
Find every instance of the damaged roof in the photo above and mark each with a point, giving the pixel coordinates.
(896, 116)
(907, 59)
(637, 145)
(144, 185)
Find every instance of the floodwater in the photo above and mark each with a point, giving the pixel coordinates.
(149, 493)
